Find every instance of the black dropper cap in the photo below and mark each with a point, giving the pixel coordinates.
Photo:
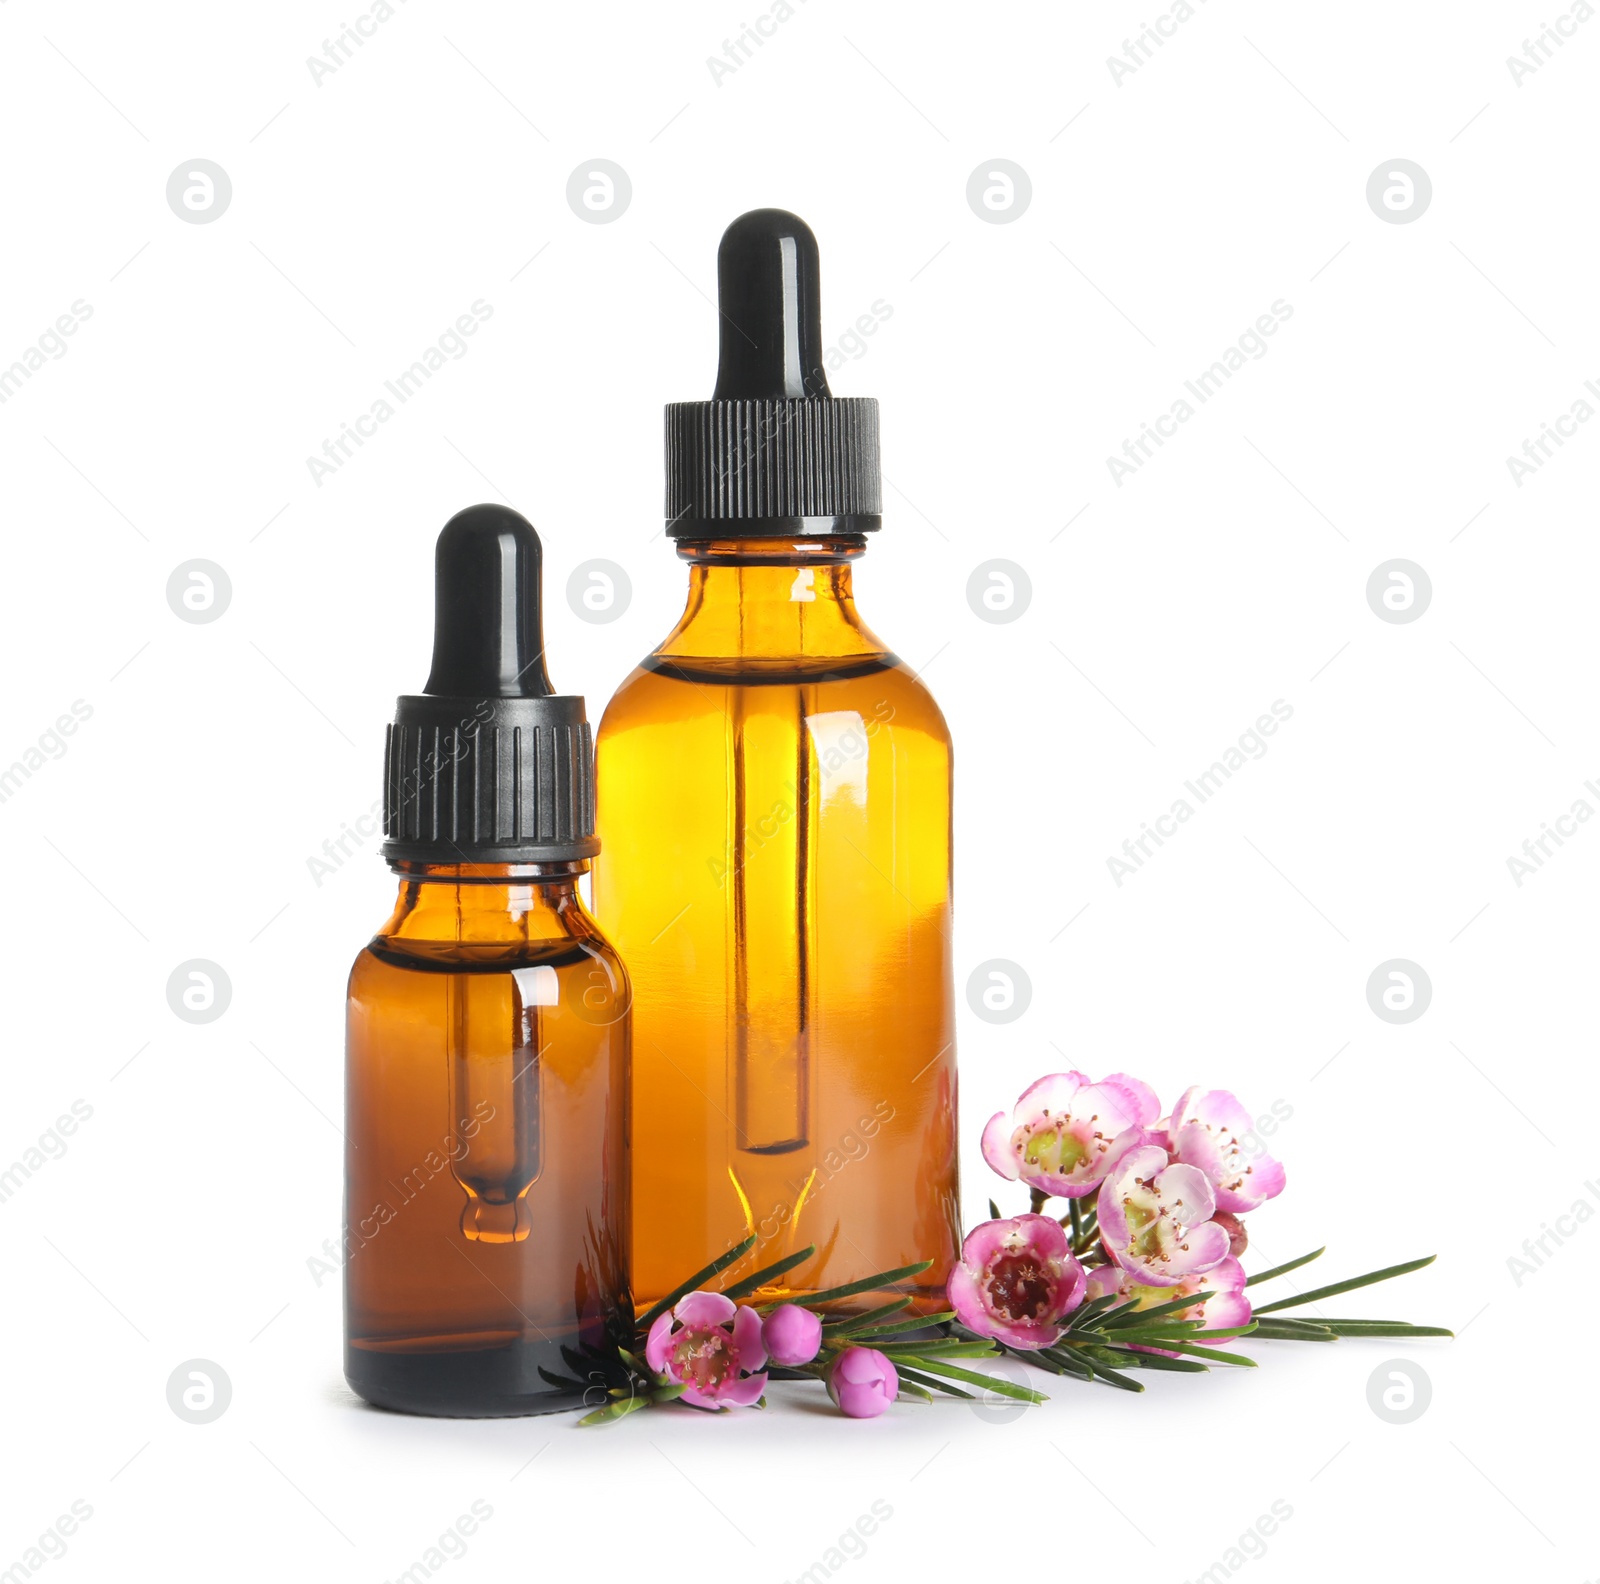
(488, 764)
(774, 453)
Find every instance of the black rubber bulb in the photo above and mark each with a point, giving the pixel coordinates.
(488, 632)
(770, 305)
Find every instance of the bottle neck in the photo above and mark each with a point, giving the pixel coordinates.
(499, 903)
(776, 599)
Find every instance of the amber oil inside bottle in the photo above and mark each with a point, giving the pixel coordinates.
(774, 812)
(487, 1145)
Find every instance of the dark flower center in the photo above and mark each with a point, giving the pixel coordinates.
(704, 1357)
(1020, 1287)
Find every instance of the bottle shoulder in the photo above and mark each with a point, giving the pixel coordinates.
(442, 941)
(882, 688)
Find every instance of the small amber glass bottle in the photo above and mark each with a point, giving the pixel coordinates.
(775, 804)
(487, 1202)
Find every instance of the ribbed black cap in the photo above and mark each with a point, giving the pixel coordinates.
(487, 764)
(774, 452)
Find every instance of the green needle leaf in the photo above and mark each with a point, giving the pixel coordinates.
(993, 1383)
(1383, 1328)
(1092, 1310)
(1159, 1361)
(1099, 1369)
(867, 1283)
(1274, 1330)
(994, 1211)
(1049, 1361)
(861, 1333)
(1162, 1331)
(1116, 1378)
(906, 1373)
(1216, 1355)
(616, 1410)
(700, 1277)
(1281, 1270)
(1139, 1316)
(767, 1272)
(915, 1350)
(837, 1328)
(1346, 1286)
(1126, 1308)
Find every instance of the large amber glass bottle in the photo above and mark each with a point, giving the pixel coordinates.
(487, 1043)
(774, 793)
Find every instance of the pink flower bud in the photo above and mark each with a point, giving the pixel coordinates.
(1238, 1238)
(792, 1335)
(862, 1383)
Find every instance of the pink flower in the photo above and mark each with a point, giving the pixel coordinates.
(1211, 1130)
(1155, 1218)
(709, 1346)
(1016, 1281)
(862, 1382)
(1066, 1133)
(792, 1335)
(1238, 1238)
(1225, 1308)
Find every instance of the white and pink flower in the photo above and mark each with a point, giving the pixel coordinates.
(1155, 1218)
(1211, 1130)
(1065, 1133)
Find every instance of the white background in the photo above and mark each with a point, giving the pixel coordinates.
(1168, 212)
